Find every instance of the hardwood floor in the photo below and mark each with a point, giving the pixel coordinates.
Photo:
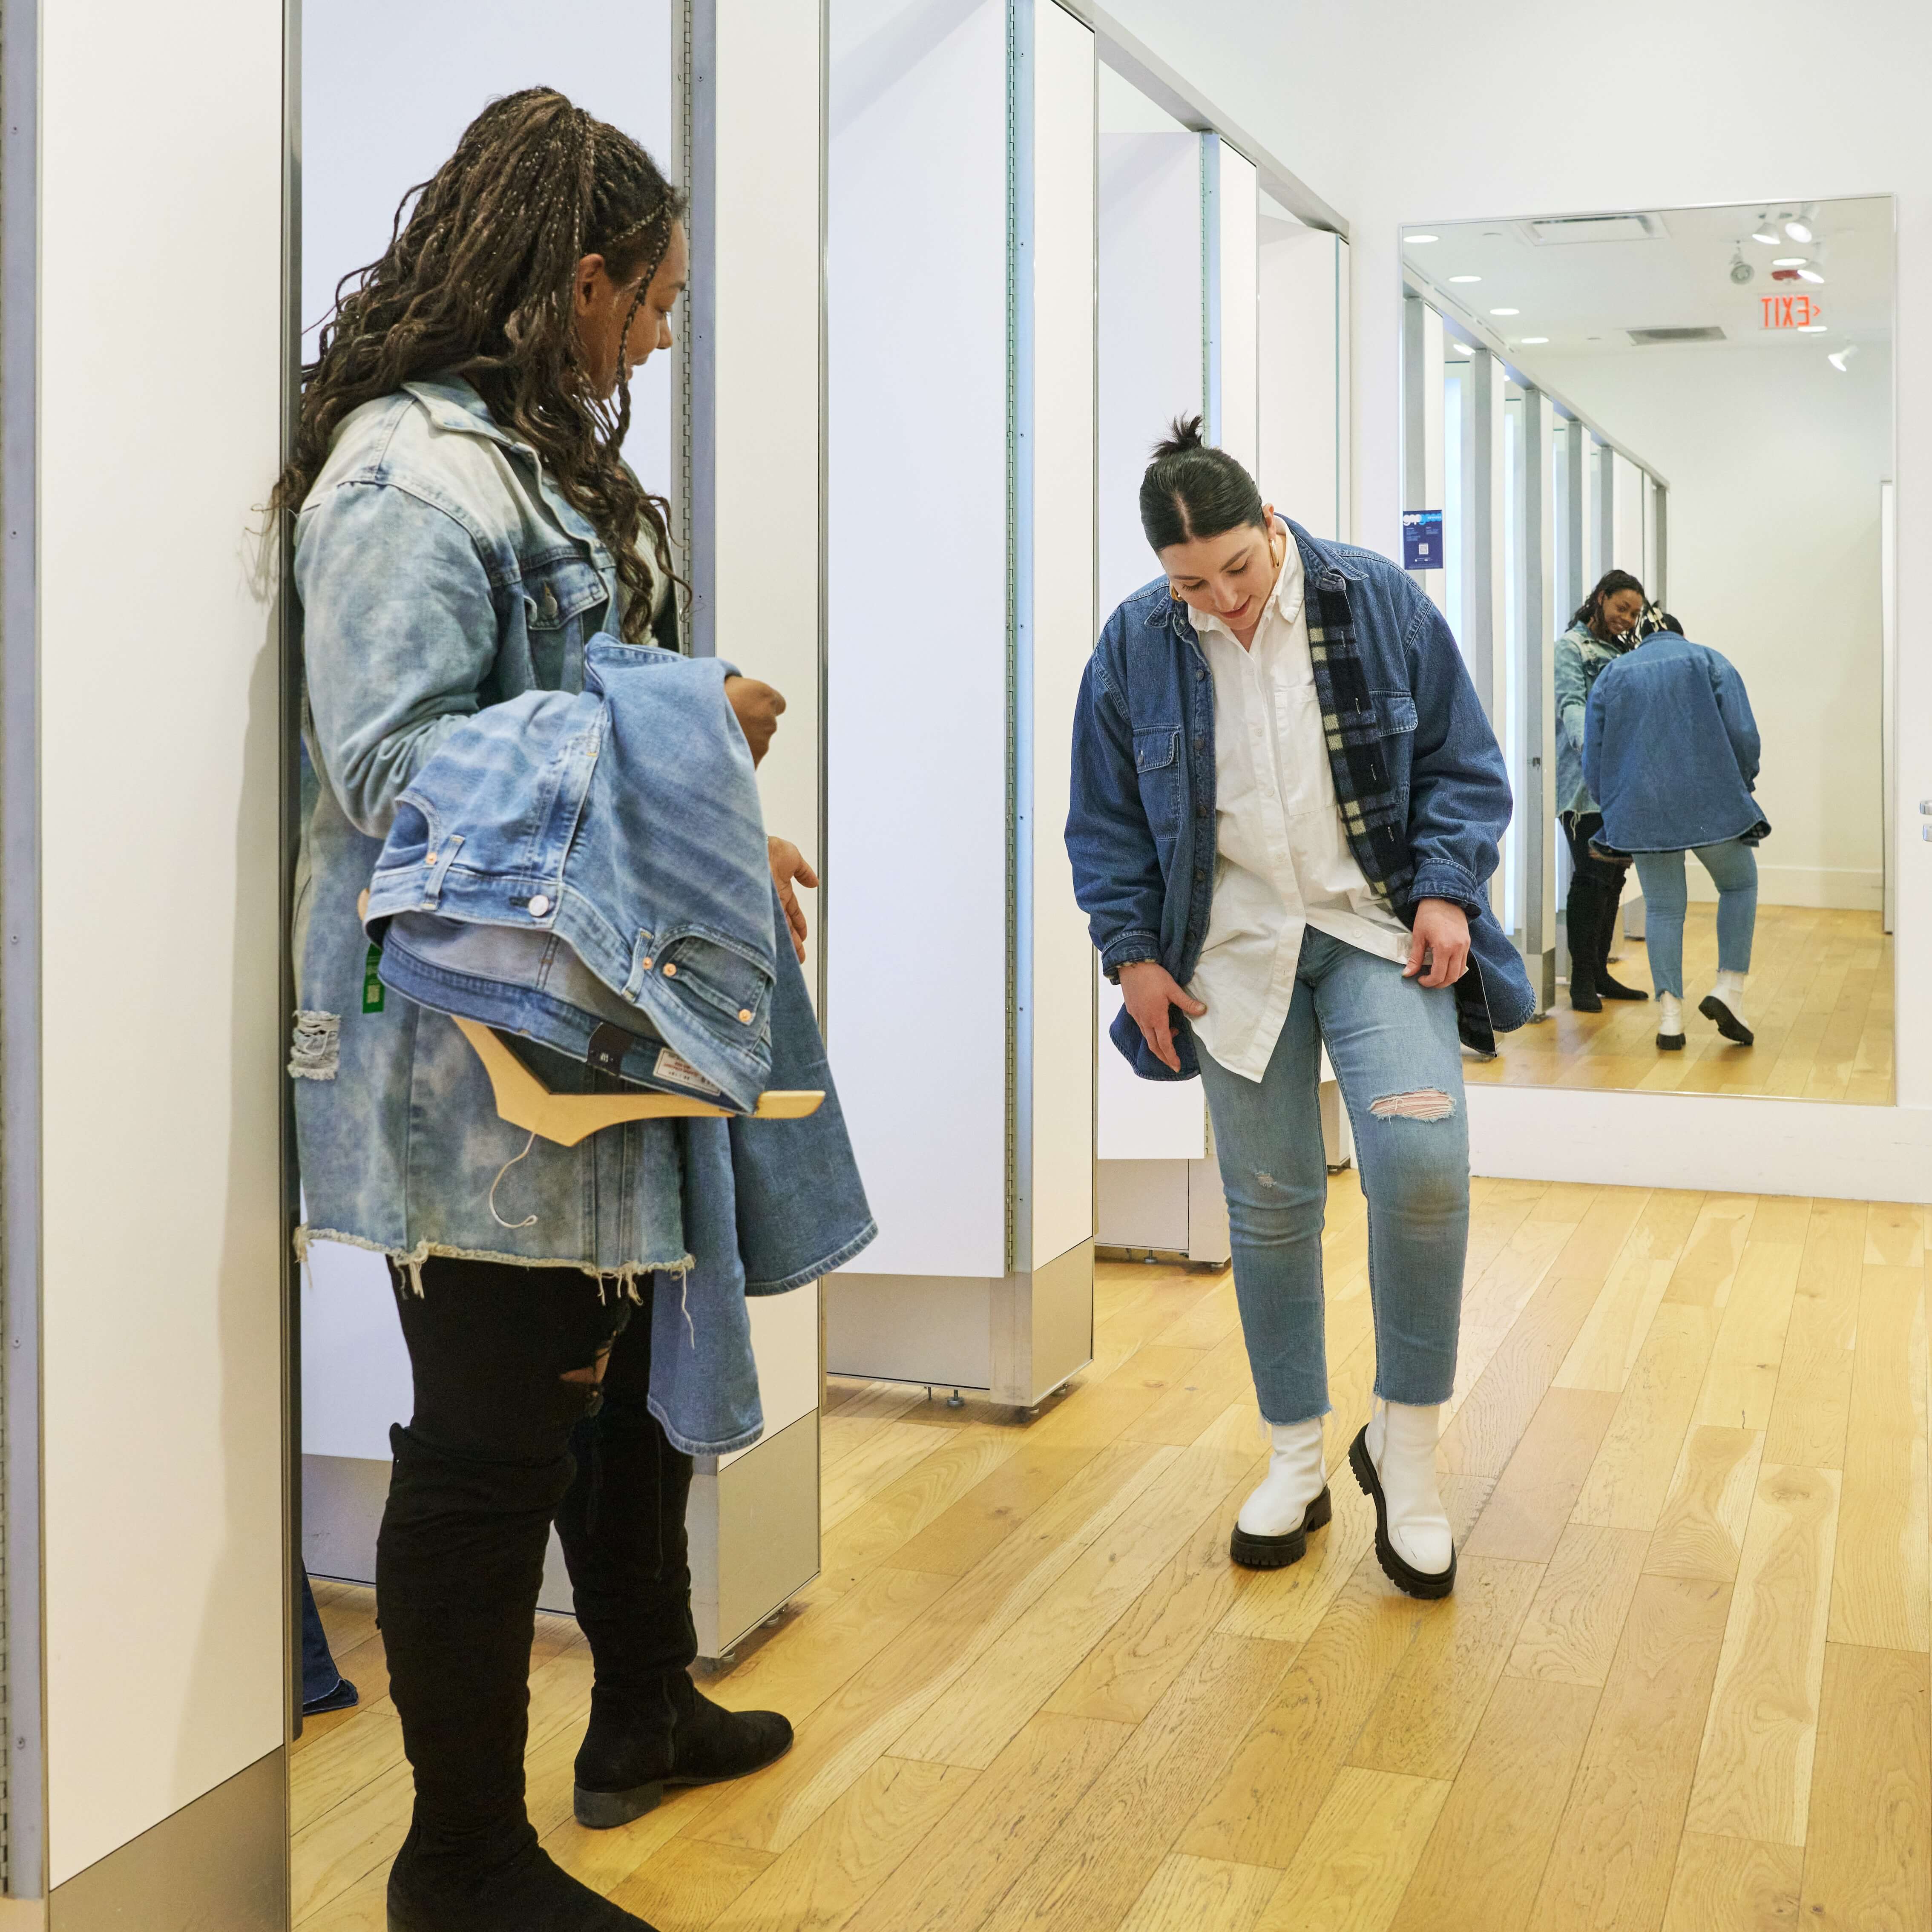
(1818, 999)
(1682, 1685)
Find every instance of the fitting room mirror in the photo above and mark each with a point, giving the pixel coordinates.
(1698, 873)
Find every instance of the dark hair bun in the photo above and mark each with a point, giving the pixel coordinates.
(1183, 435)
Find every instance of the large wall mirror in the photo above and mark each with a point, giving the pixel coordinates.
(1700, 401)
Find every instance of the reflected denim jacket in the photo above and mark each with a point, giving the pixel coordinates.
(1141, 831)
(1671, 749)
(1581, 657)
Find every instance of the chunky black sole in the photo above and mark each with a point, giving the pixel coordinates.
(1728, 1023)
(1277, 1552)
(1670, 1042)
(1412, 1582)
(604, 1811)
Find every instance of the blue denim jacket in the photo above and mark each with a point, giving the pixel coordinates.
(1671, 749)
(1141, 833)
(439, 573)
(1581, 658)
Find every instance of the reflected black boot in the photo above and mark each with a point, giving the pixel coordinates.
(622, 1527)
(1581, 917)
(458, 1565)
(1606, 933)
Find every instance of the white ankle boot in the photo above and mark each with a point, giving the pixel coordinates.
(1272, 1530)
(1725, 1004)
(1670, 1022)
(1394, 1460)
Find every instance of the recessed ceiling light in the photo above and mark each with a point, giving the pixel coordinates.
(1790, 261)
(1811, 329)
(1465, 278)
(1531, 339)
(1506, 311)
(1421, 238)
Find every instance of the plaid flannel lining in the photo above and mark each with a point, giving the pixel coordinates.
(1353, 734)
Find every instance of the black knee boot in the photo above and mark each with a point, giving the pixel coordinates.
(622, 1527)
(458, 1566)
(1611, 898)
(1583, 914)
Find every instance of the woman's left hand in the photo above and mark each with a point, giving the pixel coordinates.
(789, 863)
(1441, 939)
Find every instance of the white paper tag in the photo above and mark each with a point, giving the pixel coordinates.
(674, 1066)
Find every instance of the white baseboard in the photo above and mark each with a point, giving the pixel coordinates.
(1720, 1143)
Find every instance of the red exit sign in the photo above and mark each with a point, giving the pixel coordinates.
(1790, 312)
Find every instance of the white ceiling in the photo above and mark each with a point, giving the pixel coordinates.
(1585, 295)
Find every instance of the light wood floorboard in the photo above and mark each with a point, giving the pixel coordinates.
(1683, 1683)
(1818, 999)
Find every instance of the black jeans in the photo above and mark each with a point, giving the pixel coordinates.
(500, 1445)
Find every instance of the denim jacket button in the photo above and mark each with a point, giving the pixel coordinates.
(744, 1015)
(430, 860)
(539, 906)
(670, 970)
(649, 963)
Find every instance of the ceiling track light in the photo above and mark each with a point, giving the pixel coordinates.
(1799, 227)
(1840, 358)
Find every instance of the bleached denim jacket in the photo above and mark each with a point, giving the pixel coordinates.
(439, 573)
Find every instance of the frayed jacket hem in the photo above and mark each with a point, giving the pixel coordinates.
(804, 1277)
(411, 1260)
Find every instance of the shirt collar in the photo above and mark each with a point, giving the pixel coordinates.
(1285, 600)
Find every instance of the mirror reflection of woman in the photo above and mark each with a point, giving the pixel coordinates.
(1604, 627)
(1286, 803)
(467, 523)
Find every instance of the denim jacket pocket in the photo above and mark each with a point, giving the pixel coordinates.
(1395, 712)
(1156, 759)
(559, 588)
(723, 981)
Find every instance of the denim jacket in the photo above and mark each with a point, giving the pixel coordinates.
(1141, 832)
(1671, 748)
(1582, 658)
(439, 573)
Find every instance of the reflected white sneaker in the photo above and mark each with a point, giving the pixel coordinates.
(1669, 1023)
(1394, 1460)
(1272, 1529)
(1724, 1003)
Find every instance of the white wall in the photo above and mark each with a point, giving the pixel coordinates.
(1390, 137)
(162, 1031)
(1301, 466)
(1774, 460)
(916, 690)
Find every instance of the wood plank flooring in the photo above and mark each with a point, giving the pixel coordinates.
(1682, 1686)
(1819, 1000)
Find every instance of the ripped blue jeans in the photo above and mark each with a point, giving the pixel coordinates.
(1393, 1047)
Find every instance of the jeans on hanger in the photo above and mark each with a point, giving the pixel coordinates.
(1732, 865)
(1394, 1046)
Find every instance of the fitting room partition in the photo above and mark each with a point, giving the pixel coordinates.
(961, 580)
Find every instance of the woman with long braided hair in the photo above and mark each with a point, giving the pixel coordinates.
(464, 525)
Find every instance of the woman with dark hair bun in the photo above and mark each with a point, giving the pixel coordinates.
(1605, 625)
(1286, 803)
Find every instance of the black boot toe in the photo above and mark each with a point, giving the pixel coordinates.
(529, 1891)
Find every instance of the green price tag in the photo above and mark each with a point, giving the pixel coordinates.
(373, 988)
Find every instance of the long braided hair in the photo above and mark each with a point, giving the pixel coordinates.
(478, 281)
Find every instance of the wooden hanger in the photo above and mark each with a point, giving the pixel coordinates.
(525, 1101)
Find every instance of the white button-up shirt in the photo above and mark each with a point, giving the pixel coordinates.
(1283, 862)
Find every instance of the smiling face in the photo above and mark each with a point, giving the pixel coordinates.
(1621, 609)
(1230, 575)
